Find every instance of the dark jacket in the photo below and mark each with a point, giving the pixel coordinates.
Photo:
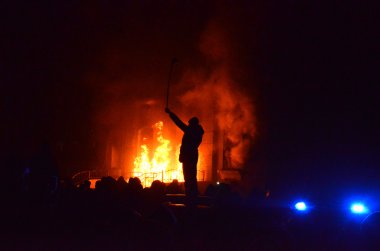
(191, 139)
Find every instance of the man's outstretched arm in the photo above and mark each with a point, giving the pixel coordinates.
(176, 120)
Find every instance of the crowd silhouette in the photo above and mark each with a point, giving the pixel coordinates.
(121, 214)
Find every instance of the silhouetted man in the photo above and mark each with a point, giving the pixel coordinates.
(188, 154)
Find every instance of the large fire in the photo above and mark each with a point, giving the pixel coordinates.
(157, 160)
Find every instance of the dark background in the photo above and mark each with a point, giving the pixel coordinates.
(309, 66)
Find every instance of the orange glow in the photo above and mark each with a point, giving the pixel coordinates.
(159, 162)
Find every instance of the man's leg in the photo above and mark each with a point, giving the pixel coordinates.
(191, 186)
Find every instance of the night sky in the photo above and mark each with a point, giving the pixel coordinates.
(309, 67)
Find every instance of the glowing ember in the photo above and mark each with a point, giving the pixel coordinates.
(162, 164)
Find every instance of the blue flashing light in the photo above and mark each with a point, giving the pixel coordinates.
(300, 206)
(358, 208)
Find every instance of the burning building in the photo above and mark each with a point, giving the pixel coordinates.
(149, 147)
(150, 150)
(138, 138)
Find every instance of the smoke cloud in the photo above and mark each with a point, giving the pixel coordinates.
(129, 79)
(97, 71)
(215, 89)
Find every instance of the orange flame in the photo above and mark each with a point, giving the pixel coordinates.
(163, 165)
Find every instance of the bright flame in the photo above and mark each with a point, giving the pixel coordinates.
(163, 165)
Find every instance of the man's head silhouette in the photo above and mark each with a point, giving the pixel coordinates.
(194, 121)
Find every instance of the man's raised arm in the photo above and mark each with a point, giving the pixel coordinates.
(176, 120)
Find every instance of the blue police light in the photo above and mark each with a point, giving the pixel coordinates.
(358, 208)
(300, 206)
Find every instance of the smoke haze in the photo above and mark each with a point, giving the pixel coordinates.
(217, 91)
(95, 71)
(130, 77)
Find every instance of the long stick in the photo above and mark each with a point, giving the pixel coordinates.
(174, 61)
